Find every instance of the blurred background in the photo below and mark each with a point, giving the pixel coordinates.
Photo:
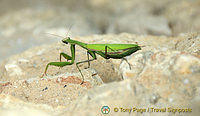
(24, 23)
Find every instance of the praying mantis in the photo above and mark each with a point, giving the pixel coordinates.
(107, 51)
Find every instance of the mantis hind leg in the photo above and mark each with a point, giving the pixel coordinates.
(127, 62)
(106, 51)
(89, 60)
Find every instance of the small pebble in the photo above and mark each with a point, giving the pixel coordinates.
(45, 88)
(186, 81)
(171, 100)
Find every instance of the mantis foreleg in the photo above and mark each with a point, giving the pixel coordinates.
(62, 64)
(65, 56)
(93, 56)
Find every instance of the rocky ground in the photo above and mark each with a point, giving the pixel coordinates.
(165, 73)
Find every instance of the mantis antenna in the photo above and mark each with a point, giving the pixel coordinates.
(69, 29)
(59, 35)
(55, 35)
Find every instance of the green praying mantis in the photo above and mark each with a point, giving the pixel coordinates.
(107, 51)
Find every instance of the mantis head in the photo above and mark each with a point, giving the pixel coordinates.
(66, 40)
